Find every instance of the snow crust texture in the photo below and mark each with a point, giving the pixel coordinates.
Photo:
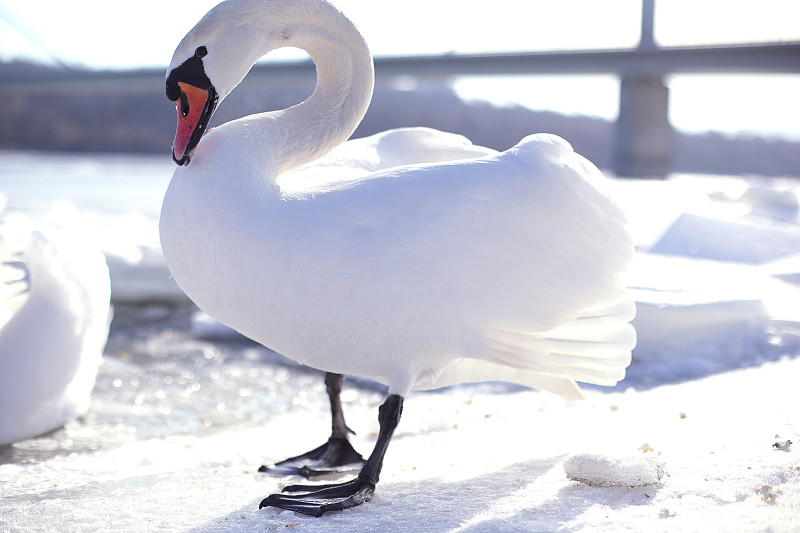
(603, 471)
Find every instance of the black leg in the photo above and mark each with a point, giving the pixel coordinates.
(335, 456)
(315, 500)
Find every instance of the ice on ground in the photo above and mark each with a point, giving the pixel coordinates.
(466, 459)
(605, 471)
(704, 237)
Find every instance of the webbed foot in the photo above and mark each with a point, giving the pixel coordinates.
(315, 500)
(334, 457)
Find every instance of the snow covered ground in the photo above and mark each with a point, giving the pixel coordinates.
(184, 412)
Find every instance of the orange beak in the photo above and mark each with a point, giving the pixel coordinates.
(194, 106)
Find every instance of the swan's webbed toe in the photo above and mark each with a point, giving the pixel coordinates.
(316, 500)
(336, 456)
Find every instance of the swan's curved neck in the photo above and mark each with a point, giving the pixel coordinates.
(331, 114)
(247, 29)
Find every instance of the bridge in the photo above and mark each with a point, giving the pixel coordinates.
(644, 135)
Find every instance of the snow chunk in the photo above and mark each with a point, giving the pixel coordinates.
(604, 471)
(703, 237)
(768, 493)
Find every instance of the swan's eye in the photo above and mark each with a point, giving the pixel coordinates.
(201, 51)
(184, 104)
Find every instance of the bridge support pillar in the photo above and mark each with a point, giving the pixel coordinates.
(643, 134)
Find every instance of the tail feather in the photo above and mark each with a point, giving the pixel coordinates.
(594, 348)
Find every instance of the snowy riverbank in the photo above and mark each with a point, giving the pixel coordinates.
(183, 412)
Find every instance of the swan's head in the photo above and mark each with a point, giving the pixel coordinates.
(214, 57)
(219, 50)
(196, 99)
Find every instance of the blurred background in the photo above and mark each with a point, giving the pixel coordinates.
(88, 76)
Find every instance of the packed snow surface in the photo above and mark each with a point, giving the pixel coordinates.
(702, 435)
(605, 471)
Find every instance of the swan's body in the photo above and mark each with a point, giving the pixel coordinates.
(411, 257)
(52, 334)
(410, 275)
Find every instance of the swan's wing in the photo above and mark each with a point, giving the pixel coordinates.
(532, 224)
(594, 348)
(524, 248)
(480, 371)
(359, 158)
(410, 146)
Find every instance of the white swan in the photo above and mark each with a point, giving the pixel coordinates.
(411, 257)
(54, 318)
